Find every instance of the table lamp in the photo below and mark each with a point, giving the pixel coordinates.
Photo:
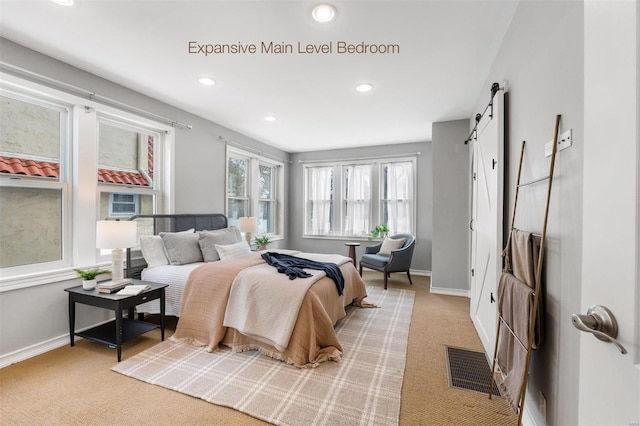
(248, 225)
(116, 235)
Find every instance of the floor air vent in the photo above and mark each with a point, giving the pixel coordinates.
(469, 370)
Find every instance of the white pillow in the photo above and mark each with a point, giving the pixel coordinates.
(153, 251)
(181, 247)
(233, 250)
(209, 239)
(390, 244)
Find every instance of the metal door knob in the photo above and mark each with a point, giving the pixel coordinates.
(601, 323)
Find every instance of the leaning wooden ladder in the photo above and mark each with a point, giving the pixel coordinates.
(538, 275)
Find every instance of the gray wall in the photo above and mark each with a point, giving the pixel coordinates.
(451, 189)
(424, 235)
(199, 152)
(541, 59)
(38, 315)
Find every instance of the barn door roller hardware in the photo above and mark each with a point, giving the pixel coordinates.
(494, 89)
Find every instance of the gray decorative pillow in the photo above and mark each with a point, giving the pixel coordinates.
(390, 244)
(209, 239)
(181, 247)
(153, 251)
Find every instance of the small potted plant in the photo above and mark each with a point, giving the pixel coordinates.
(262, 242)
(378, 231)
(89, 277)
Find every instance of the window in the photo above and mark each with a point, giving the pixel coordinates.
(319, 188)
(357, 199)
(397, 196)
(267, 203)
(126, 169)
(124, 204)
(34, 189)
(255, 188)
(237, 187)
(64, 163)
(369, 193)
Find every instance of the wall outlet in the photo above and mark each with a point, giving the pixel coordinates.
(564, 141)
(542, 405)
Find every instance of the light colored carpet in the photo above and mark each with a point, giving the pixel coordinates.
(76, 386)
(363, 388)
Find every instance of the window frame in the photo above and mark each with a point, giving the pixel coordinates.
(274, 192)
(154, 189)
(124, 124)
(345, 202)
(78, 176)
(382, 200)
(246, 197)
(339, 201)
(254, 161)
(135, 203)
(62, 184)
(156, 186)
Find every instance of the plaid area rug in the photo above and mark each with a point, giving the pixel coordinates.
(363, 388)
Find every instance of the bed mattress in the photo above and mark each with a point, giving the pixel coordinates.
(174, 275)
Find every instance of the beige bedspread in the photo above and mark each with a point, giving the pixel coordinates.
(265, 306)
(313, 339)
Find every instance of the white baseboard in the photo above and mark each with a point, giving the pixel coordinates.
(450, 291)
(33, 350)
(530, 414)
(42, 347)
(528, 419)
(421, 272)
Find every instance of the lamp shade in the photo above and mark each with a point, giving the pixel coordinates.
(248, 224)
(115, 234)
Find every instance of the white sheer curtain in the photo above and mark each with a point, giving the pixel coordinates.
(320, 190)
(357, 199)
(398, 197)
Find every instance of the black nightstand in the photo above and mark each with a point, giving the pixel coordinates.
(121, 329)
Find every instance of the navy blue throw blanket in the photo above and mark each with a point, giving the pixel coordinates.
(293, 267)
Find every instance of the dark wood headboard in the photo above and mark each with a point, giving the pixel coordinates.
(153, 224)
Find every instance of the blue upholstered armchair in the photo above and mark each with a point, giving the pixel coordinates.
(398, 261)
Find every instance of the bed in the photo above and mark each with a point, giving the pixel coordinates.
(173, 275)
(217, 303)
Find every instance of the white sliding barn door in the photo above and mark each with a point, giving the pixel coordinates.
(486, 235)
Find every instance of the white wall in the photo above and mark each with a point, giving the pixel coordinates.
(541, 59)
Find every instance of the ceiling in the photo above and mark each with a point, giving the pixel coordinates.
(445, 47)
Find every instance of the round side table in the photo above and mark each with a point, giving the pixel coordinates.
(352, 251)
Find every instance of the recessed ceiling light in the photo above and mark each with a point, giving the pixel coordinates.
(364, 87)
(207, 81)
(270, 118)
(323, 12)
(63, 2)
